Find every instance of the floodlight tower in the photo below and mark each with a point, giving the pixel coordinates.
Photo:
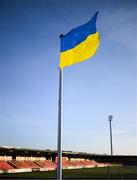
(110, 117)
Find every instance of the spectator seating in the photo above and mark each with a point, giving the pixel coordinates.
(46, 164)
(5, 166)
(23, 164)
(32, 164)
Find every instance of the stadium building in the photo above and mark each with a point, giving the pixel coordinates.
(13, 160)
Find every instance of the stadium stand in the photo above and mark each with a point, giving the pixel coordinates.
(66, 164)
(4, 166)
(18, 164)
(23, 164)
(26, 160)
(74, 163)
(32, 164)
(49, 165)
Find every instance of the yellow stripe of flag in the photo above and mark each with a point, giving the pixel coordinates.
(81, 52)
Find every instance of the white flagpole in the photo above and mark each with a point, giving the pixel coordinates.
(60, 115)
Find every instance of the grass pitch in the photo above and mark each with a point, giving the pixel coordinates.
(91, 173)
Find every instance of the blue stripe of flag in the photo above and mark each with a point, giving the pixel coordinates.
(78, 34)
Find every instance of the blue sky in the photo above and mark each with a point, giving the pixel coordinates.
(102, 85)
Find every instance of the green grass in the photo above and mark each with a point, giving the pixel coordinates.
(92, 173)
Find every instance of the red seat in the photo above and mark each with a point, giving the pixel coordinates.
(5, 166)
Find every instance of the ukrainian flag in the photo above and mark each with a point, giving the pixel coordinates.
(80, 43)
